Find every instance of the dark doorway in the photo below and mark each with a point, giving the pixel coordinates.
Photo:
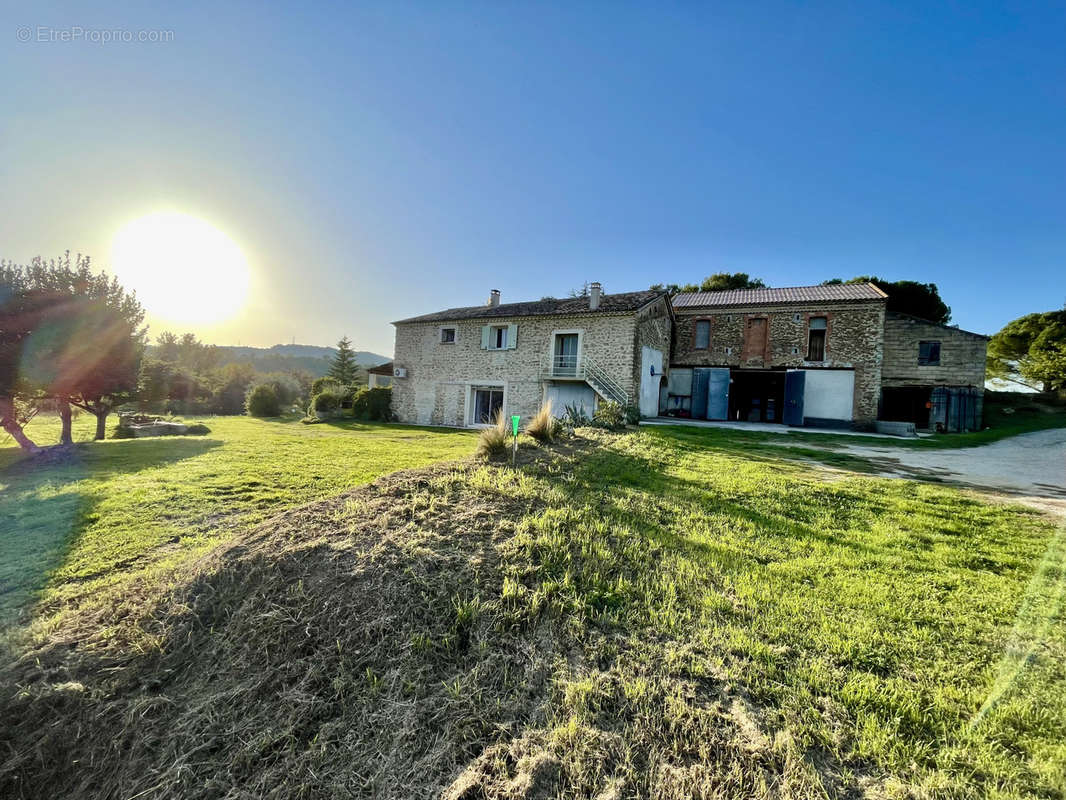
(756, 396)
(906, 404)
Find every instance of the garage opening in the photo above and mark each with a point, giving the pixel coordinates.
(756, 395)
(906, 404)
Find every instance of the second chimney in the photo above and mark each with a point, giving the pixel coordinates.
(595, 290)
(494, 298)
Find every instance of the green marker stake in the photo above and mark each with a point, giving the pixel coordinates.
(514, 442)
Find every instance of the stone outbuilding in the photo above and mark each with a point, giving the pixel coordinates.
(932, 375)
(805, 355)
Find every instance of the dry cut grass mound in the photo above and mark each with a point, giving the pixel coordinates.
(380, 644)
(342, 647)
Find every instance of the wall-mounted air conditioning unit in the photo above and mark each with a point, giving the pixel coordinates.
(399, 372)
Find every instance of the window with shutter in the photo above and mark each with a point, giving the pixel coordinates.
(499, 337)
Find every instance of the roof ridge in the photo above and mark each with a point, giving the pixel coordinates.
(616, 303)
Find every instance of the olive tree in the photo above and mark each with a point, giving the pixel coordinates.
(79, 338)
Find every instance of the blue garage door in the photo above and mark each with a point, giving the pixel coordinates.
(710, 393)
(795, 380)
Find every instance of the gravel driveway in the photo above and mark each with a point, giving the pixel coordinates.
(1031, 464)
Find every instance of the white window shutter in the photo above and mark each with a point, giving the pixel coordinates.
(485, 330)
(512, 337)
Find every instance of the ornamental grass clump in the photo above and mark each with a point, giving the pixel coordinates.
(495, 442)
(544, 427)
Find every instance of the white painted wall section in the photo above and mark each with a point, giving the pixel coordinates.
(829, 393)
(571, 393)
(651, 360)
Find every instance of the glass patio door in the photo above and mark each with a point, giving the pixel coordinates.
(488, 402)
(564, 363)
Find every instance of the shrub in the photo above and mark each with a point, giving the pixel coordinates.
(609, 415)
(544, 427)
(262, 401)
(495, 442)
(198, 429)
(326, 384)
(231, 389)
(575, 416)
(325, 402)
(632, 414)
(373, 404)
(286, 387)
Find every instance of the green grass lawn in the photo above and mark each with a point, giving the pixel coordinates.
(663, 613)
(121, 507)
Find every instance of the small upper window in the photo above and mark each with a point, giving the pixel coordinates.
(816, 329)
(498, 338)
(703, 334)
(928, 354)
(447, 335)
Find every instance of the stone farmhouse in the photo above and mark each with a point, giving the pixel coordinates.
(829, 356)
(464, 365)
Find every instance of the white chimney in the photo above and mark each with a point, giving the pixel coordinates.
(494, 298)
(595, 290)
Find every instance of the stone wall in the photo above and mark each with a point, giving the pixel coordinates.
(962, 354)
(439, 376)
(854, 340)
(654, 329)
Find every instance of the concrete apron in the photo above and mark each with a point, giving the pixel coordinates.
(766, 427)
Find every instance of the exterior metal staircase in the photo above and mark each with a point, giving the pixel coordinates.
(583, 368)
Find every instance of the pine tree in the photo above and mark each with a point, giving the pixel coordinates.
(343, 368)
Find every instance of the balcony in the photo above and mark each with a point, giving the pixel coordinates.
(558, 367)
(583, 368)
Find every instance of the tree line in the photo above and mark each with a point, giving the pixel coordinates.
(907, 297)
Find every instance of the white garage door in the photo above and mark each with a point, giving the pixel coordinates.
(829, 394)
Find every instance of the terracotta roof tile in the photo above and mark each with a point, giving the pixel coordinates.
(789, 294)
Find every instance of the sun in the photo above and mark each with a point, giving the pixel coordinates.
(183, 269)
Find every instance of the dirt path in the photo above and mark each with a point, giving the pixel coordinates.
(1032, 465)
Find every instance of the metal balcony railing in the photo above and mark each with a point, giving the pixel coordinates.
(568, 366)
(573, 367)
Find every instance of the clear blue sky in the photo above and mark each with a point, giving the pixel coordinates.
(383, 160)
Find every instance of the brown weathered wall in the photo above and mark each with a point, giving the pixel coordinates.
(962, 354)
(654, 329)
(439, 375)
(854, 340)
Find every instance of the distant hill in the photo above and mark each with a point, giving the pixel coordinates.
(282, 357)
(308, 358)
